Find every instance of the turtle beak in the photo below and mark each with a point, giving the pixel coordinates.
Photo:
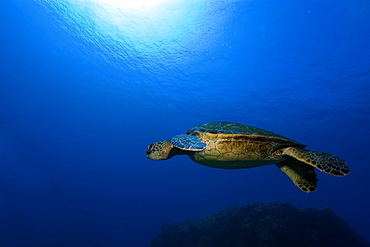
(149, 150)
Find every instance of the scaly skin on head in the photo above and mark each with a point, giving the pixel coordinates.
(159, 150)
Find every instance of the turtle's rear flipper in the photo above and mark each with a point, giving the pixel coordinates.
(302, 175)
(325, 162)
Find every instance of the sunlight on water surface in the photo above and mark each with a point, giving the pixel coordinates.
(142, 25)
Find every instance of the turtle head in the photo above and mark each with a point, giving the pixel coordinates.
(159, 150)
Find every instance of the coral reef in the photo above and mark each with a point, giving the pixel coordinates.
(262, 225)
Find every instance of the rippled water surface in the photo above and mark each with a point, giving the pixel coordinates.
(85, 86)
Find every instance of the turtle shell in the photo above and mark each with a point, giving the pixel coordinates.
(233, 128)
(232, 145)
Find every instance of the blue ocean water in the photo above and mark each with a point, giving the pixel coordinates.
(85, 86)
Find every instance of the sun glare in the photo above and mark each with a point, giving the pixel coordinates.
(144, 23)
(135, 5)
(145, 26)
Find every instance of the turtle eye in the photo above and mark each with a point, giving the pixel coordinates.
(150, 146)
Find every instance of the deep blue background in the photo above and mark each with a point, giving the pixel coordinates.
(78, 108)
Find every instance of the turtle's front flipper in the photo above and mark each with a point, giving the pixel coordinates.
(188, 143)
(302, 175)
(325, 162)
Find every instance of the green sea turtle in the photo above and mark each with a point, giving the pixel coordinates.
(234, 146)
